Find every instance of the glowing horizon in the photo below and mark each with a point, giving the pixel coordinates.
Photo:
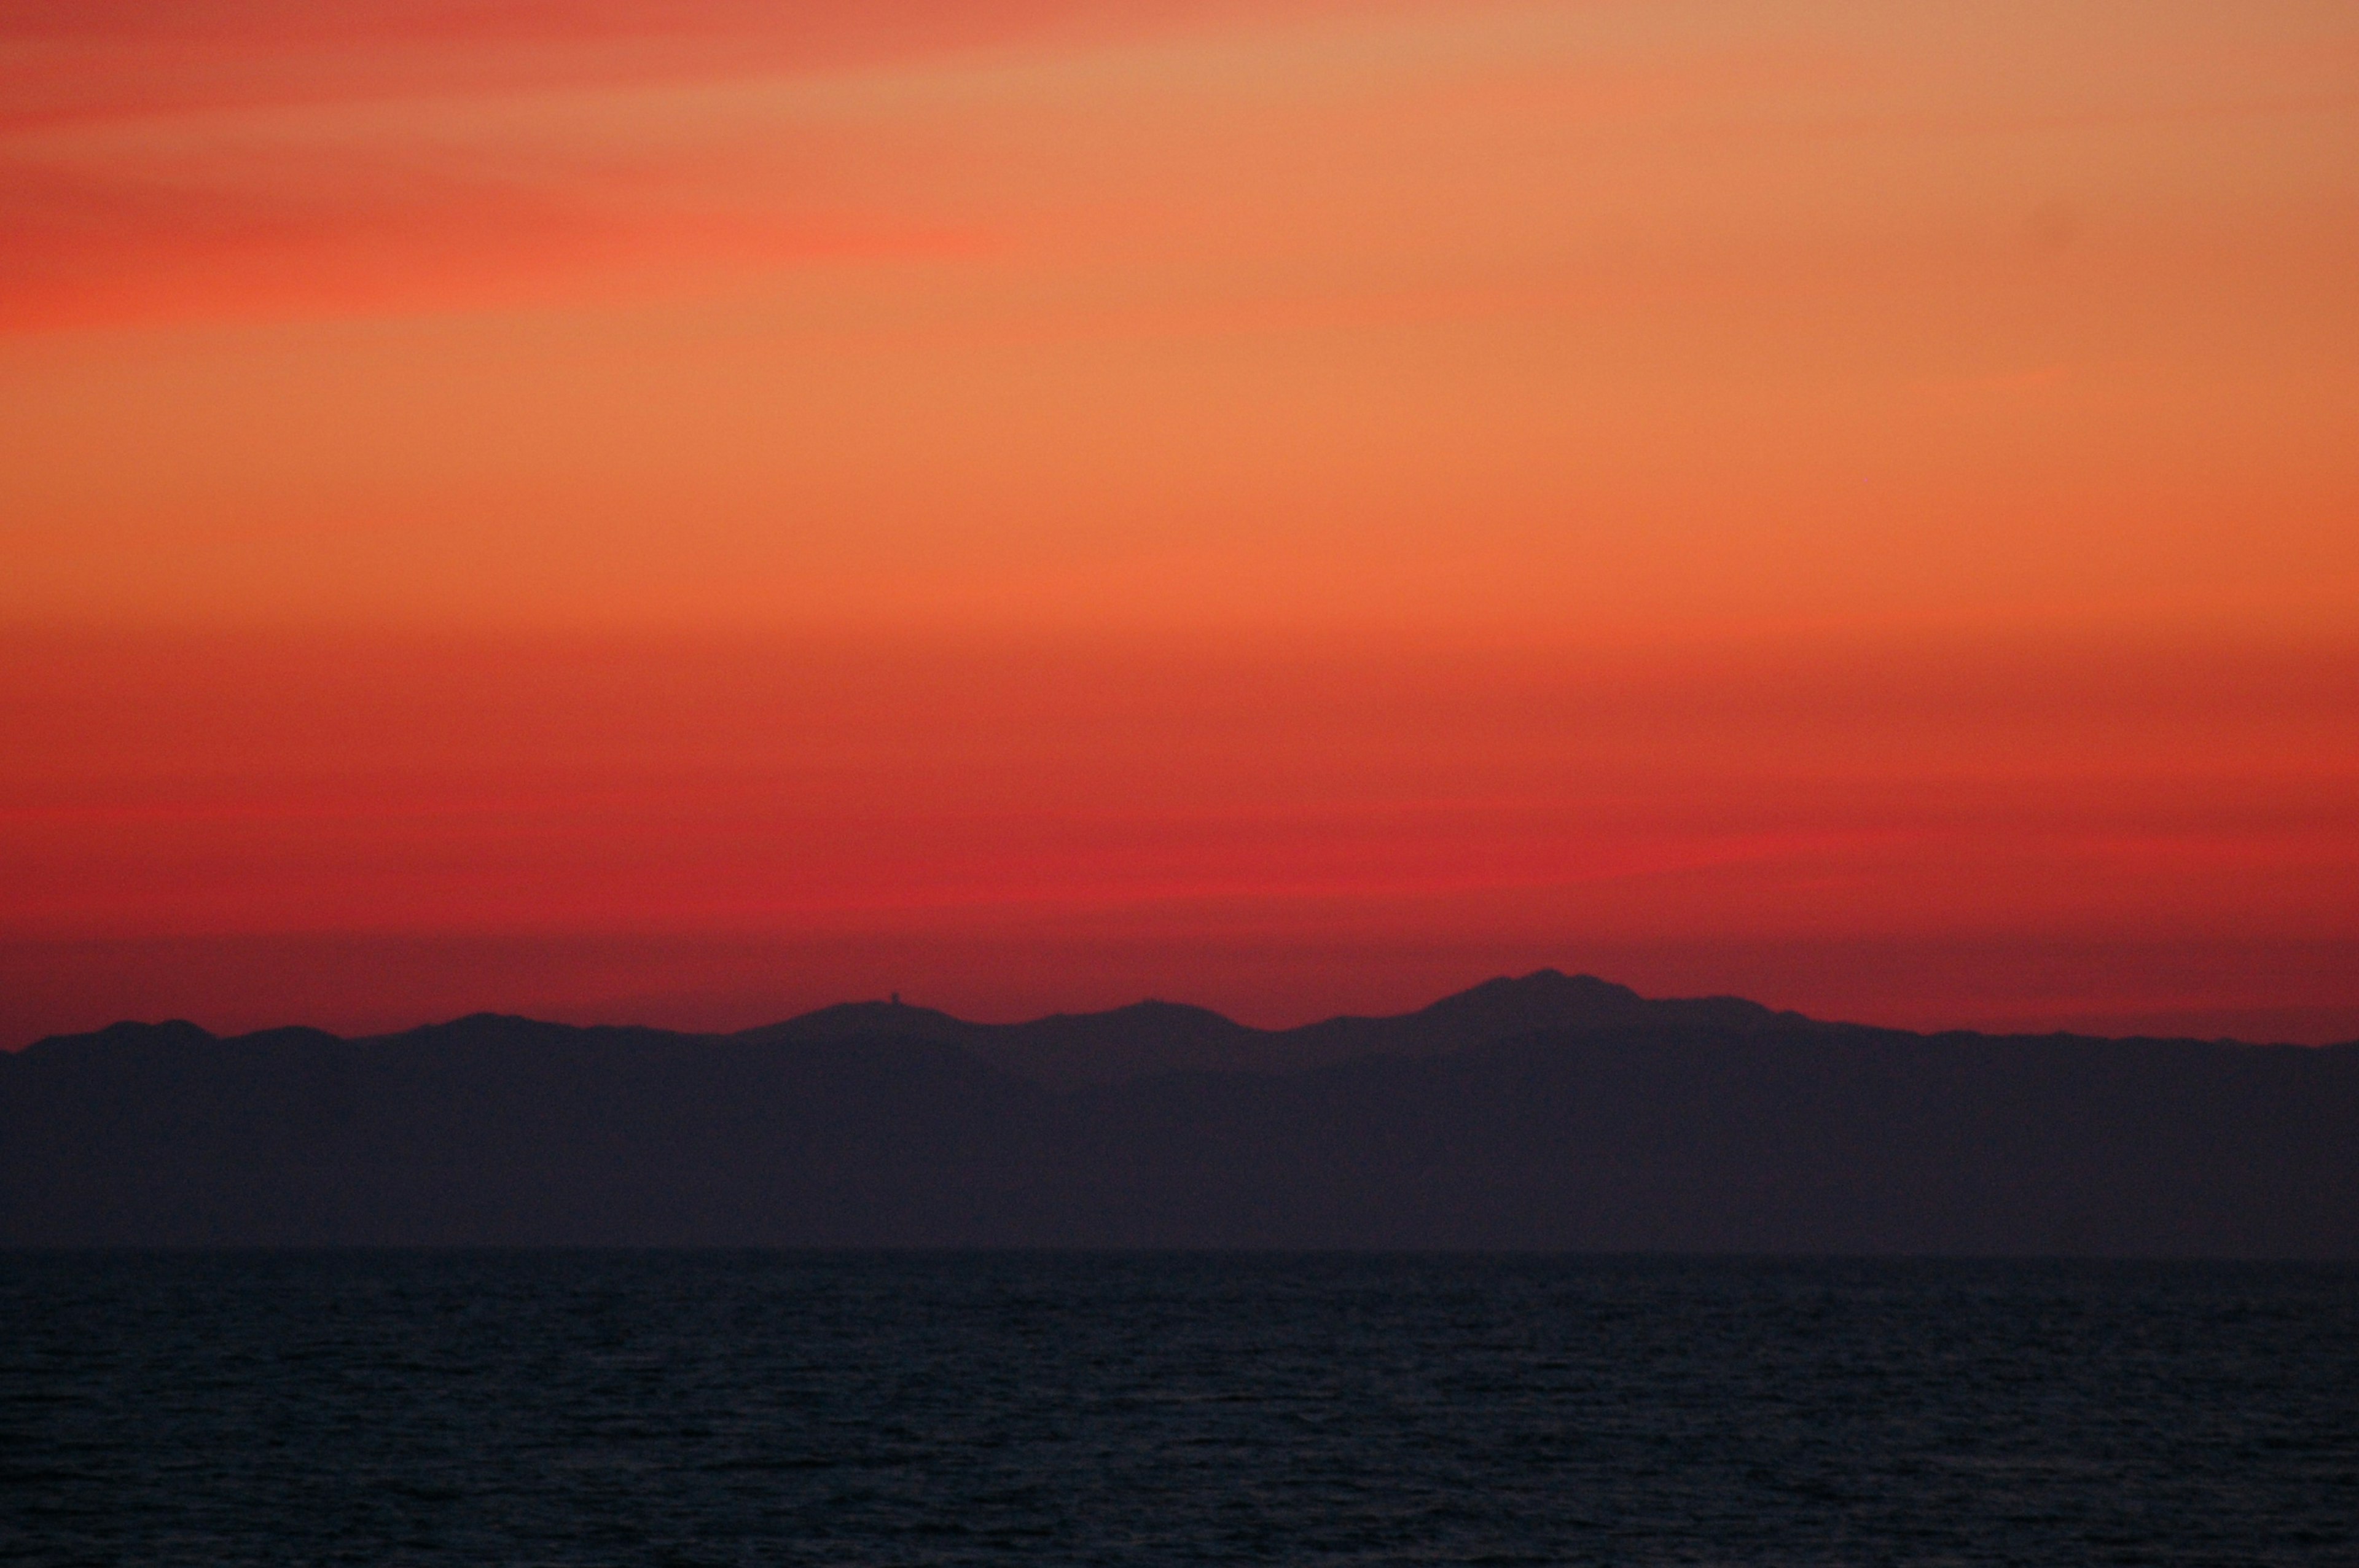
(1296, 507)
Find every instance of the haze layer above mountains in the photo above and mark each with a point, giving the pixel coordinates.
(1549, 1111)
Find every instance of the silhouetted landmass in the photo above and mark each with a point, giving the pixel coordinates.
(1547, 1112)
(1073, 1050)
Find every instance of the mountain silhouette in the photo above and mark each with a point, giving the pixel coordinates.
(1071, 1050)
(1549, 1111)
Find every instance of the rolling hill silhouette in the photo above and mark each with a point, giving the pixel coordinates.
(1549, 1111)
(1072, 1050)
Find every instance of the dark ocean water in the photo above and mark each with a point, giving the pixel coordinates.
(710, 1408)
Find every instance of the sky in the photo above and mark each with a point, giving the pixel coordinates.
(685, 513)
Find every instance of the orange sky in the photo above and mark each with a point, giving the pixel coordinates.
(662, 510)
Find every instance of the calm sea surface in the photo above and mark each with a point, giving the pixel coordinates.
(710, 1408)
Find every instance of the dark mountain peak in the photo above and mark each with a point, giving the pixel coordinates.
(849, 1019)
(485, 1029)
(170, 1029)
(1139, 1023)
(1543, 998)
(171, 1033)
(1068, 1049)
(1173, 1016)
(1550, 998)
(293, 1036)
(126, 1036)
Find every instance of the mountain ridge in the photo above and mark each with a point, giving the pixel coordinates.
(1547, 1112)
(1153, 1036)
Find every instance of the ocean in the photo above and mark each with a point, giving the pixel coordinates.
(580, 1407)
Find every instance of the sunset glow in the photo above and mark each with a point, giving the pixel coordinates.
(686, 512)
